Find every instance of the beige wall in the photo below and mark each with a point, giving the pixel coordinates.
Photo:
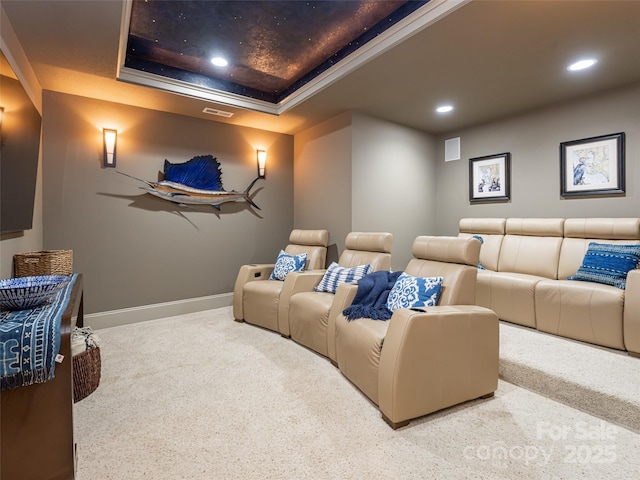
(394, 177)
(135, 249)
(358, 173)
(534, 143)
(382, 176)
(322, 179)
(29, 240)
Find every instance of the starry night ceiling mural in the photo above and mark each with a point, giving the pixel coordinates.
(273, 48)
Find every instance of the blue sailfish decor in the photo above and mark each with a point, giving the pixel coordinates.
(196, 182)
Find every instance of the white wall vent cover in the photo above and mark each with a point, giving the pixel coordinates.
(452, 149)
(213, 111)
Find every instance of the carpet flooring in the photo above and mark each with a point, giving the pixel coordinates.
(597, 380)
(201, 397)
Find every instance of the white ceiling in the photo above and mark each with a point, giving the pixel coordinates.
(490, 58)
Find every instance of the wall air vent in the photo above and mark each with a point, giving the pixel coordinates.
(452, 149)
(220, 113)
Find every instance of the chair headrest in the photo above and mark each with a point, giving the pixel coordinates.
(488, 226)
(461, 250)
(369, 241)
(309, 237)
(608, 228)
(537, 227)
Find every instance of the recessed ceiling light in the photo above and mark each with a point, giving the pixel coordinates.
(582, 64)
(444, 108)
(219, 62)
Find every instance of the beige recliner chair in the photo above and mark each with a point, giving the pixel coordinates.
(420, 362)
(312, 314)
(264, 302)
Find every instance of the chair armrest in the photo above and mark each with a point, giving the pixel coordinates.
(631, 325)
(433, 360)
(342, 299)
(248, 273)
(304, 281)
(295, 282)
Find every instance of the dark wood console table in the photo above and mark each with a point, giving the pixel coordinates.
(36, 422)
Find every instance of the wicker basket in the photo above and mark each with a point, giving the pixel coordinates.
(86, 373)
(45, 262)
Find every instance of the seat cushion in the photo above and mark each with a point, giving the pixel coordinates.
(308, 319)
(260, 302)
(584, 311)
(358, 348)
(510, 295)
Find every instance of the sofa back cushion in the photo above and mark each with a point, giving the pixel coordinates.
(532, 246)
(491, 230)
(452, 258)
(579, 232)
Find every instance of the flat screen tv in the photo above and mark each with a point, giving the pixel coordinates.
(19, 148)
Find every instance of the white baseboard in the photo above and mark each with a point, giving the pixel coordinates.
(125, 316)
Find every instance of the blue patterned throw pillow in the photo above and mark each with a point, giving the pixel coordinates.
(286, 263)
(608, 264)
(410, 291)
(335, 275)
(480, 266)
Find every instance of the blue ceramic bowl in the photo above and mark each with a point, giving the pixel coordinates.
(30, 292)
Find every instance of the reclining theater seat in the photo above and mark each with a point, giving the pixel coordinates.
(312, 314)
(417, 363)
(263, 302)
(529, 253)
(588, 311)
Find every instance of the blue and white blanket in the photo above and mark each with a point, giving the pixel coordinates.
(30, 341)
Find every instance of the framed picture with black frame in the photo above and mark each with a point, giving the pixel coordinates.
(593, 166)
(490, 178)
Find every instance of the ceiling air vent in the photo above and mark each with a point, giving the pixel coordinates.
(213, 111)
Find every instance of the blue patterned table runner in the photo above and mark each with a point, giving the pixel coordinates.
(30, 341)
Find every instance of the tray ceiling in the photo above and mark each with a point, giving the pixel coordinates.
(490, 59)
(273, 48)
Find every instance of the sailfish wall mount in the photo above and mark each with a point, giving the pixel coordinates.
(195, 182)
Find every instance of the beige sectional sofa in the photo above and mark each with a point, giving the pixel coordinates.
(525, 263)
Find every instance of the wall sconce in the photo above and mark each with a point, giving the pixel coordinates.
(110, 138)
(262, 163)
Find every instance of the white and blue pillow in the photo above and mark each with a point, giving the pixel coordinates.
(412, 292)
(286, 263)
(608, 264)
(336, 274)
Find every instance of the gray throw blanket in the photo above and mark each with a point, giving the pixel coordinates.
(371, 298)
